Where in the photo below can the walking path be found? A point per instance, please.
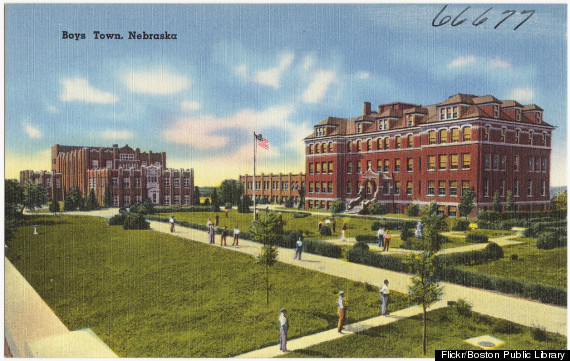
(522, 311)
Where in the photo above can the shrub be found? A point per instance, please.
(170, 209)
(366, 238)
(322, 248)
(539, 334)
(462, 225)
(413, 210)
(338, 206)
(550, 240)
(490, 253)
(289, 239)
(493, 251)
(301, 214)
(412, 244)
(290, 203)
(378, 208)
(462, 307)
(476, 238)
(406, 233)
(117, 220)
(358, 255)
(387, 224)
(325, 231)
(514, 257)
(135, 221)
(361, 246)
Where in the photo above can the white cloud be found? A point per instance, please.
(190, 105)
(499, 63)
(308, 63)
(271, 77)
(158, 81)
(51, 109)
(78, 89)
(523, 95)
(32, 131)
(363, 75)
(318, 88)
(462, 61)
(117, 134)
(191, 131)
(241, 70)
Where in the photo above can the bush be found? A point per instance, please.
(117, 220)
(462, 225)
(366, 238)
(290, 203)
(357, 254)
(412, 243)
(539, 334)
(170, 209)
(322, 248)
(387, 224)
(325, 231)
(514, 257)
(361, 246)
(135, 221)
(301, 214)
(506, 327)
(551, 240)
(462, 307)
(378, 208)
(338, 206)
(413, 210)
(406, 233)
(476, 238)
(490, 253)
(289, 239)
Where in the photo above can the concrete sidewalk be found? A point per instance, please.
(329, 335)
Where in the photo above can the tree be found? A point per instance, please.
(54, 207)
(496, 203)
(196, 196)
(13, 197)
(338, 206)
(231, 191)
(244, 204)
(433, 225)
(302, 196)
(423, 289)
(215, 201)
(107, 197)
(91, 201)
(73, 200)
(560, 202)
(510, 204)
(290, 203)
(267, 230)
(35, 195)
(467, 203)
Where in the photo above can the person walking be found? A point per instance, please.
(236, 236)
(342, 229)
(334, 225)
(211, 233)
(298, 249)
(209, 223)
(384, 293)
(217, 220)
(381, 237)
(321, 224)
(341, 306)
(224, 237)
(171, 221)
(387, 238)
(283, 328)
(226, 212)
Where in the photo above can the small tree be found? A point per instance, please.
(244, 204)
(54, 207)
(13, 197)
(496, 202)
(267, 258)
(73, 200)
(196, 196)
(510, 203)
(338, 206)
(215, 201)
(467, 203)
(107, 197)
(413, 210)
(560, 202)
(35, 195)
(91, 201)
(302, 196)
(290, 203)
(423, 290)
(433, 225)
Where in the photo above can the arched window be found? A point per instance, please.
(398, 142)
(443, 136)
(369, 144)
(379, 143)
(359, 145)
(330, 147)
(311, 149)
(349, 147)
(387, 143)
(410, 141)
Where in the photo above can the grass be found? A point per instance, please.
(147, 294)
(446, 331)
(532, 264)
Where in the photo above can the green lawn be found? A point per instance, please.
(537, 265)
(446, 331)
(148, 294)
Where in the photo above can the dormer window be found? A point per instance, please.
(538, 117)
(449, 113)
(409, 120)
(383, 124)
(518, 115)
(455, 112)
(359, 128)
(442, 114)
(496, 111)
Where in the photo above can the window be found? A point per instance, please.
(496, 111)
(410, 164)
(410, 120)
(311, 187)
(466, 160)
(143, 163)
(409, 188)
(495, 162)
(58, 183)
(453, 188)
(441, 189)
(517, 136)
(397, 165)
(431, 188)
(311, 168)
(137, 182)
(531, 138)
(442, 161)
(115, 201)
(452, 211)
(544, 140)
(465, 185)
(431, 137)
(323, 148)
(94, 164)
(126, 182)
(410, 140)
(398, 142)
(386, 188)
(348, 167)
(529, 188)
(516, 188)
(359, 167)
(386, 165)
(502, 188)
(330, 167)
(330, 187)
(349, 147)
(91, 183)
(323, 187)
(317, 168)
(379, 143)
(486, 132)
(115, 183)
(454, 135)
(167, 200)
(109, 164)
(397, 188)
(518, 115)
(448, 113)
(442, 114)
(359, 145)
(516, 165)
(538, 116)
(186, 182)
(359, 128)
(386, 143)
(503, 162)
(330, 147)
(186, 199)
(455, 112)
(543, 165)
(454, 161)
(485, 187)
(138, 199)
(369, 144)
(285, 186)
(124, 156)
(317, 148)
(443, 136)
(311, 149)
(466, 134)
(325, 168)
(503, 134)
(166, 182)
(530, 164)
(379, 165)
(543, 188)
(431, 162)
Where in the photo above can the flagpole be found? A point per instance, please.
(254, 184)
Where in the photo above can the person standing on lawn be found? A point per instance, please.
(171, 221)
(211, 233)
(283, 328)
(387, 238)
(236, 236)
(384, 293)
(298, 249)
(343, 228)
(341, 306)
(224, 236)
(217, 220)
(334, 225)
(381, 237)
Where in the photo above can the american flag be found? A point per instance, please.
(262, 142)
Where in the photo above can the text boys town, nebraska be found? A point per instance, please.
(133, 35)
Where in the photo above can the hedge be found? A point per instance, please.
(301, 214)
(551, 240)
(182, 209)
(359, 255)
(116, 220)
(366, 238)
(393, 224)
(490, 253)
(521, 216)
(476, 238)
(461, 225)
(135, 221)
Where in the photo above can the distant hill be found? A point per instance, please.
(556, 190)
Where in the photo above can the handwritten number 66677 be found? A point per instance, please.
(480, 19)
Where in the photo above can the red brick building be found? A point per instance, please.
(275, 188)
(51, 181)
(131, 175)
(407, 153)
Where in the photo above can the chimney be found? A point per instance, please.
(366, 108)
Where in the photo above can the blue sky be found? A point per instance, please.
(272, 68)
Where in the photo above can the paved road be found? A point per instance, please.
(522, 311)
